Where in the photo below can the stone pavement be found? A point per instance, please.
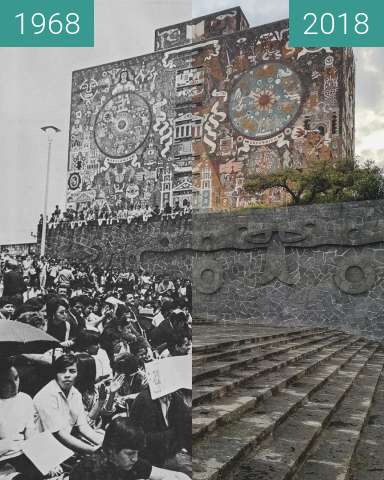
(278, 404)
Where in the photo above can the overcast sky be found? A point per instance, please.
(36, 88)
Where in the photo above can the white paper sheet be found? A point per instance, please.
(45, 452)
(168, 375)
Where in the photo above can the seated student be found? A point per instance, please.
(119, 337)
(7, 308)
(60, 408)
(58, 324)
(16, 422)
(119, 457)
(170, 329)
(167, 426)
(88, 341)
(92, 320)
(134, 378)
(98, 399)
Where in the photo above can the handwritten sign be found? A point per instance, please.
(168, 375)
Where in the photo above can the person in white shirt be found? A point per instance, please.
(88, 342)
(16, 422)
(60, 408)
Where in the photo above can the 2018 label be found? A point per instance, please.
(335, 23)
(327, 23)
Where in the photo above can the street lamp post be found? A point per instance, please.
(50, 130)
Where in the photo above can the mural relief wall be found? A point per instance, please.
(309, 265)
(132, 129)
(201, 28)
(196, 120)
(156, 246)
(318, 265)
(268, 106)
(121, 146)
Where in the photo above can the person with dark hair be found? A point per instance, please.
(76, 312)
(35, 319)
(65, 276)
(89, 341)
(167, 424)
(16, 422)
(13, 280)
(92, 320)
(98, 401)
(60, 408)
(27, 307)
(134, 377)
(166, 287)
(7, 308)
(119, 335)
(170, 329)
(57, 320)
(119, 458)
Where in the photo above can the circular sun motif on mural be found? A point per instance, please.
(265, 100)
(74, 181)
(122, 125)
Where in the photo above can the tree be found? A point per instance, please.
(324, 181)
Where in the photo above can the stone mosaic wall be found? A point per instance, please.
(156, 246)
(319, 265)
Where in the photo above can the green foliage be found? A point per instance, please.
(324, 182)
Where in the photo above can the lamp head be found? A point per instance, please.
(50, 130)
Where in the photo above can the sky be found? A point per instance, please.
(36, 88)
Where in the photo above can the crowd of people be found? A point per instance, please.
(91, 391)
(118, 213)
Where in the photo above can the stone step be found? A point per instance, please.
(213, 348)
(200, 360)
(207, 417)
(208, 390)
(217, 368)
(331, 454)
(216, 343)
(218, 452)
(368, 460)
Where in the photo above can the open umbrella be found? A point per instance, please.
(17, 338)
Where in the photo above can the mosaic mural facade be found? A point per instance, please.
(268, 106)
(201, 28)
(216, 103)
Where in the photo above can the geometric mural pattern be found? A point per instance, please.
(215, 103)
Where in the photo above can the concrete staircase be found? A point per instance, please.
(278, 404)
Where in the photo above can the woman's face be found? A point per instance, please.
(127, 333)
(67, 378)
(125, 458)
(10, 385)
(61, 314)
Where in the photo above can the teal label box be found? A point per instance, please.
(336, 23)
(47, 23)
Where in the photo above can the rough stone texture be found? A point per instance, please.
(301, 407)
(319, 265)
(156, 246)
